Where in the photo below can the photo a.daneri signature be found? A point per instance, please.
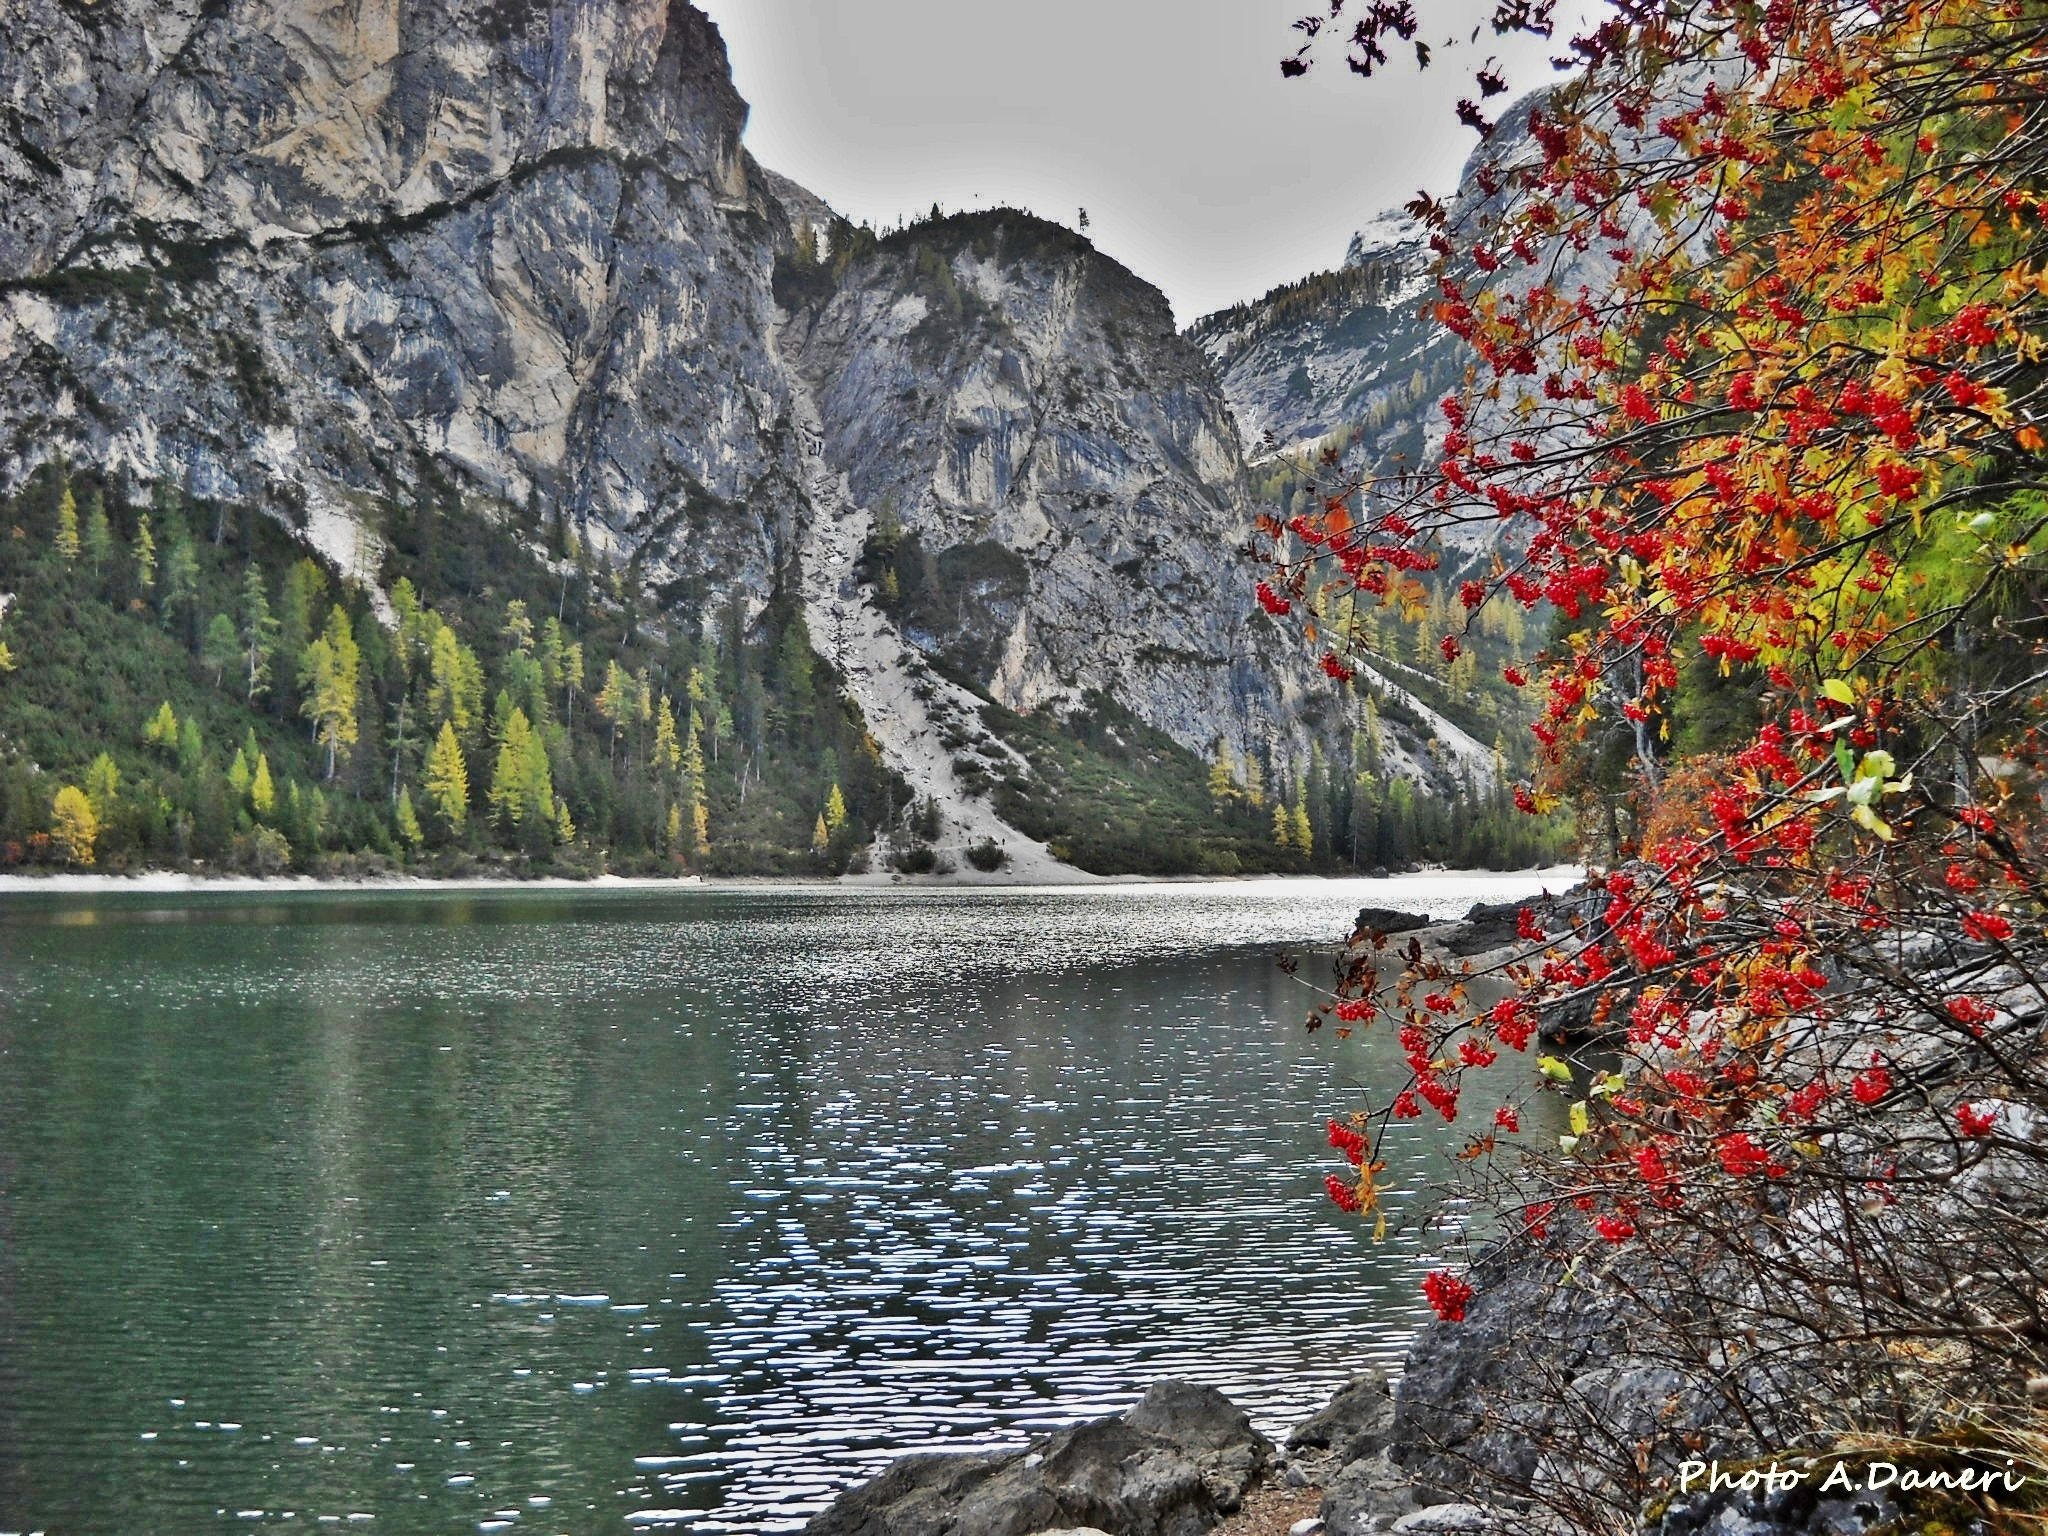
(1844, 1475)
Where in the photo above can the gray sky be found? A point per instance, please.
(1200, 168)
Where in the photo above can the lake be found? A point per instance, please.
(583, 1211)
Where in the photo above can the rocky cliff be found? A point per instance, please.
(1019, 410)
(346, 259)
(1338, 357)
(328, 258)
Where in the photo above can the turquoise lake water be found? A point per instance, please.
(592, 1211)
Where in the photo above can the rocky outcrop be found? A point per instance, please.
(1174, 1465)
(325, 259)
(1021, 408)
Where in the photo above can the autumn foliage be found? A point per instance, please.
(1757, 315)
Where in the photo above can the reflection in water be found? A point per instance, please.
(570, 1211)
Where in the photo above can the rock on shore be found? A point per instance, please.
(1175, 1465)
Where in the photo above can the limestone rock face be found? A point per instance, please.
(1023, 406)
(318, 254)
(335, 257)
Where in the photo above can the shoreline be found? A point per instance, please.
(174, 882)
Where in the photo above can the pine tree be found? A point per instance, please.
(835, 811)
(1223, 777)
(262, 790)
(446, 784)
(668, 755)
(409, 821)
(145, 553)
(1298, 823)
(1254, 782)
(1283, 827)
(522, 787)
(221, 646)
(518, 627)
(162, 729)
(258, 636)
(328, 676)
(99, 533)
(239, 774)
(821, 838)
(455, 689)
(67, 545)
(191, 746)
(565, 829)
(614, 700)
(75, 826)
(103, 787)
(672, 835)
(297, 613)
(700, 820)
(181, 577)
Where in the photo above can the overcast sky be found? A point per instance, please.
(1200, 168)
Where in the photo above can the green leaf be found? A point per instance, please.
(1838, 690)
(1581, 1119)
(1557, 1071)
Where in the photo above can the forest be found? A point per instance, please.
(188, 687)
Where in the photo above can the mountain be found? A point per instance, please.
(1338, 352)
(487, 297)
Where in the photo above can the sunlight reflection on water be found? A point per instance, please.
(672, 1209)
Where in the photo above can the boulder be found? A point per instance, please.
(1367, 1496)
(1459, 1520)
(1358, 1421)
(1390, 920)
(1175, 1465)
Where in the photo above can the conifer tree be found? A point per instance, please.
(455, 690)
(67, 544)
(668, 754)
(298, 612)
(1304, 837)
(191, 746)
(162, 729)
(446, 784)
(75, 826)
(262, 790)
(181, 577)
(614, 700)
(408, 821)
(1283, 827)
(258, 635)
(99, 533)
(565, 829)
(145, 553)
(672, 834)
(328, 676)
(221, 646)
(835, 811)
(103, 787)
(700, 819)
(1223, 776)
(1254, 782)
(522, 787)
(821, 838)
